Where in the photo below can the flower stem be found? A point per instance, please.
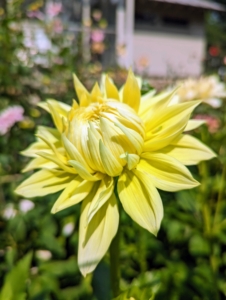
(114, 261)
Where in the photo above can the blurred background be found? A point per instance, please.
(165, 41)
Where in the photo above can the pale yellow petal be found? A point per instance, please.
(43, 182)
(141, 200)
(96, 93)
(111, 89)
(95, 239)
(193, 124)
(167, 125)
(80, 91)
(76, 190)
(83, 172)
(134, 137)
(73, 153)
(189, 150)
(167, 173)
(38, 163)
(111, 165)
(150, 104)
(131, 92)
(103, 193)
(131, 159)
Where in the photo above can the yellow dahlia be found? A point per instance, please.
(113, 140)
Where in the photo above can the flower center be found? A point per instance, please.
(109, 127)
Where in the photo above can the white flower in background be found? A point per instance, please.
(68, 229)
(209, 89)
(25, 205)
(43, 254)
(9, 212)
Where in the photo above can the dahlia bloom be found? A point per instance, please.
(208, 89)
(113, 141)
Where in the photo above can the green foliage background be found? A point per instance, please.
(188, 258)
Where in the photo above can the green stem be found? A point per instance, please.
(114, 261)
(220, 195)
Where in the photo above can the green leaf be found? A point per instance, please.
(136, 293)
(14, 287)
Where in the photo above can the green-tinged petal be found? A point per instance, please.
(103, 193)
(111, 165)
(38, 163)
(188, 150)
(167, 125)
(62, 164)
(193, 124)
(75, 192)
(167, 173)
(134, 137)
(131, 92)
(51, 134)
(80, 91)
(95, 239)
(131, 159)
(83, 172)
(44, 182)
(141, 200)
(111, 89)
(93, 148)
(73, 153)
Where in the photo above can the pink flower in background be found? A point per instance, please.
(53, 9)
(212, 123)
(9, 117)
(97, 36)
(58, 26)
(35, 14)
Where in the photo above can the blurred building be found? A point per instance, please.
(160, 38)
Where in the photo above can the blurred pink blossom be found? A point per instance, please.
(35, 14)
(53, 9)
(212, 122)
(97, 36)
(9, 117)
(58, 26)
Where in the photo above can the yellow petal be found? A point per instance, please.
(188, 150)
(193, 124)
(43, 182)
(103, 193)
(141, 200)
(131, 92)
(111, 90)
(132, 160)
(167, 125)
(111, 165)
(151, 104)
(57, 161)
(134, 137)
(83, 172)
(96, 93)
(73, 153)
(80, 91)
(95, 239)
(75, 192)
(167, 173)
(38, 163)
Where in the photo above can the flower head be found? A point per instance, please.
(113, 140)
(208, 89)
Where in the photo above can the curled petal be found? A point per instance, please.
(131, 92)
(141, 200)
(188, 150)
(95, 239)
(167, 173)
